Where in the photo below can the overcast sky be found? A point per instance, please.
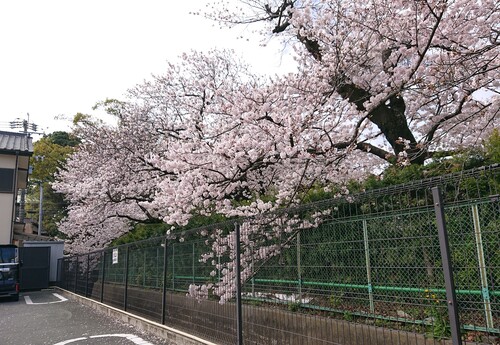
(60, 57)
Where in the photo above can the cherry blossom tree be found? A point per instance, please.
(377, 83)
(411, 71)
(105, 181)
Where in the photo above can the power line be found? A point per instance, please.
(25, 125)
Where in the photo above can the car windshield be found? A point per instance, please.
(7, 255)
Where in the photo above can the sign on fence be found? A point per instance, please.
(115, 256)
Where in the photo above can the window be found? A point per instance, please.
(6, 180)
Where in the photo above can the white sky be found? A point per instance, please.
(60, 57)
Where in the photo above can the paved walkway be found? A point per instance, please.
(48, 318)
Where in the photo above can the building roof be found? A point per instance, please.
(12, 143)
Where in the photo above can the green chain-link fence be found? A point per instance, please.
(367, 260)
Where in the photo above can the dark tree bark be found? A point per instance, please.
(389, 117)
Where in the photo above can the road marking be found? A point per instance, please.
(133, 338)
(71, 341)
(61, 299)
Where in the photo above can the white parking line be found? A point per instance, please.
(61, 299)
(71, 341)
(133, 338)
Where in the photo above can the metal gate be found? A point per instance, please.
(35, 267)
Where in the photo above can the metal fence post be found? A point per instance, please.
(144, 269)
(368, 266)
(239, 317)
(218, 270)
(164, 292)
(61, 276)
(173, 266)
(299, 268)
(447, 267)
(76, 274)
(125, 293)
(156, 266)
(193, 268)
(59, 269)
(87, 276)
(61, 273)
(482, 268)
(103, 274)
(65, 272)
(68, 274)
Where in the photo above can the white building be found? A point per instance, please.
(15, 151)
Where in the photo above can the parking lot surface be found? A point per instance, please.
(47, 318)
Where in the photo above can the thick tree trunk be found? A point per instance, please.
(390, 119)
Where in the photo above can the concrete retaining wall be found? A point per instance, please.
(262, 325)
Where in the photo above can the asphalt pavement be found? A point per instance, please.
(48, 318)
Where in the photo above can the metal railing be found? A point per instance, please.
(370, 268)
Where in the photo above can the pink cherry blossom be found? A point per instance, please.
(376, 83)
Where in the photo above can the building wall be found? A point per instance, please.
(56, 253)
(7, 202)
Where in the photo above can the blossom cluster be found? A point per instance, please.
(376, 83)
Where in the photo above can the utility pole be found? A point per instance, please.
(27, 128)
(40, 210)
(40, 205)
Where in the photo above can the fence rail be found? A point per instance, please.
(368, 269)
